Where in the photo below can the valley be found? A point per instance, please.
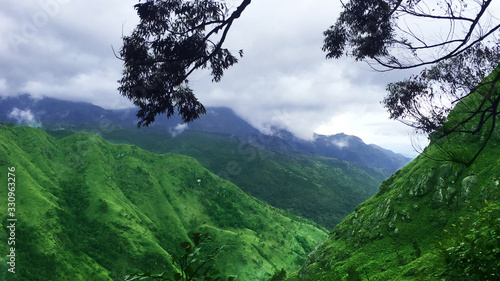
(91, 210)
(313, 179)
(101, 201)
(213, 140)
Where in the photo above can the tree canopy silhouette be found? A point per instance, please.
(390, 32)
(175, 38)
(388, 35)
(172, 40)
(423, 101)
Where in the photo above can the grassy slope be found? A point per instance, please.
(396, 234)
(322, 189)
(90, 210)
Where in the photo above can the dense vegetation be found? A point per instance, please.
(322, 189)
(90, 210)
(435, 219)
(284, 171)
(93, 210)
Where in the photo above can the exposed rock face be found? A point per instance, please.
(468, 184)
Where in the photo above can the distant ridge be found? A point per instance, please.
(52, 113)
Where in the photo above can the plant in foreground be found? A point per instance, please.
(472, 248)
(192, 264)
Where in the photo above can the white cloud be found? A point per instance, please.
(68, 54)
(24, 117)
(3, 86)
(179, 129)
(97, 87)
(283, 79)
(343, 143)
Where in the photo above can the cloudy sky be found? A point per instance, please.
(63, 49)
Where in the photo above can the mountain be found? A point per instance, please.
(305, 178)
(322, 189)
(352, 148)
(50, 112)
(349, 148)
(53, 113)
(86, 209)
(435, 219)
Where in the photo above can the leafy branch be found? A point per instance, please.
(172, 40)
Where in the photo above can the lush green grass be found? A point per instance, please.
(91, 210)
(435, 218)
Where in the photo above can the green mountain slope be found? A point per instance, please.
(435, 219)
(281, 169)
(322, 189)
(90, 210)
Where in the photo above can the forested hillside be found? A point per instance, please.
(435, 219)
(322, 189)
(90, 210)
(318, 179)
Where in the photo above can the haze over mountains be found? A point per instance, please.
(51, 113)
